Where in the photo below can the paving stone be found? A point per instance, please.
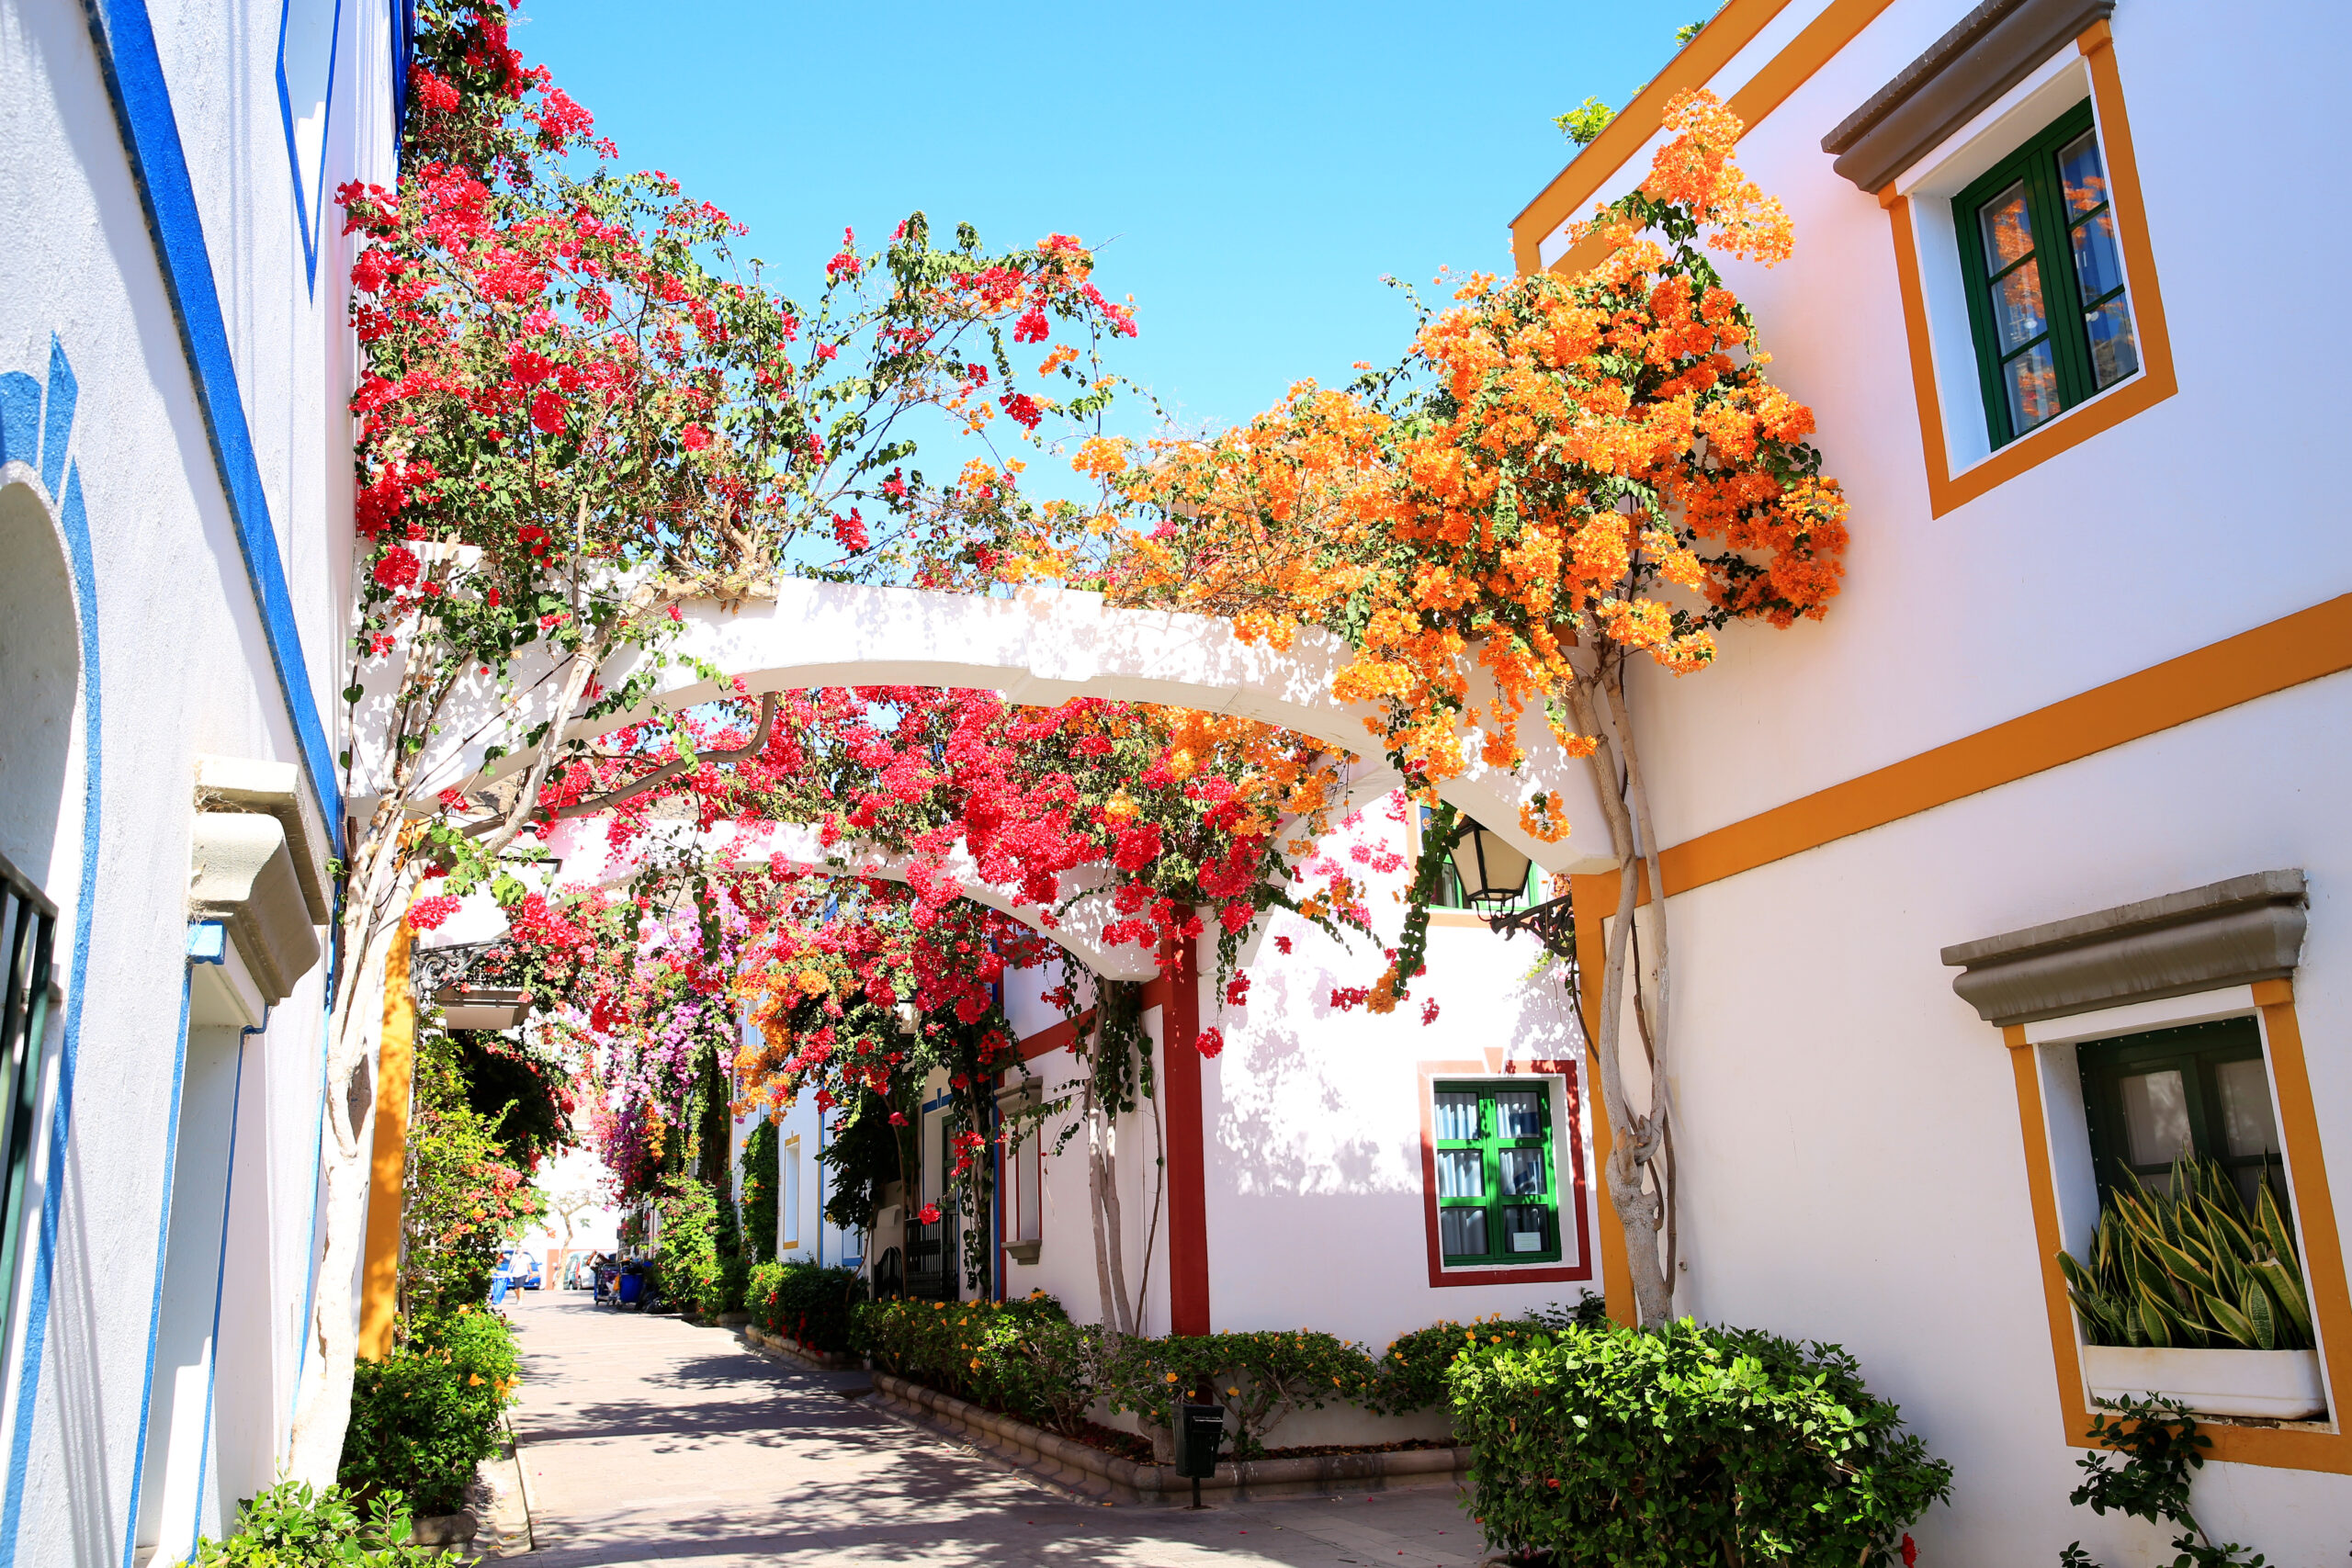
(650, 1440)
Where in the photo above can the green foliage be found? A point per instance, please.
(1413, 1369)
(1258, 1378)
(523, 1098)
(1022, 1357)
(424, 1418)
(2162, 1449)
(763, 1187)
(465, 1197)
(685, 1256)
(290, 1527)
(805, 1303)
(1584, 123)
(2190, 1268)
(865, 1154)
(1606, 1445)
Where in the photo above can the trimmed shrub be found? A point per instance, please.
(425, 1417)
(1610, 1445)
(290, 1527)
(1022, 1357)
(1258, 1378)
(805, 1303)
(1412, 1370)
(686, 1255)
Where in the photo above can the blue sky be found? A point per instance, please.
(1251, 169)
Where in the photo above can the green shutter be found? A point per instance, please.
(1498, 1177)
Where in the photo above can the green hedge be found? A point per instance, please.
(288, 1526)
(805, 1303)
(425, 1417)
(1692, 1444)
(1022, 1357)
(685, 1253)
(1258, 1378)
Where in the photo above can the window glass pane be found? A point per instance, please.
(2017, 308)
(1520, 1172)
(2031, 382)
(1519, 1115)
(2079, 172)
(1458, 1174)
(2113, 353)
(2156, 1117)
(2246, 1126)
(1463, 1232)
(1457, 1116)
(2008, 232)
(2097, 265)
(1523, 1229)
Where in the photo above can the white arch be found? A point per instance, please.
(1040, 645)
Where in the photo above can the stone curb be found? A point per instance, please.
(1089, 1470)
(789, 1349)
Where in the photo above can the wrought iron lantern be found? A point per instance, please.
(1492, 871)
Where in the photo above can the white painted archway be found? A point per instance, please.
(1040, 645)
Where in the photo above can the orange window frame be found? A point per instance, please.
(2279, 1447)
(1947, 491)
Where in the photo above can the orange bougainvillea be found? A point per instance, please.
(1565, 475)
(1562, 470)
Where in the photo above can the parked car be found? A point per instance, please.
(522, 1270)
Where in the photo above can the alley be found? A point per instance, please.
(650, 1440)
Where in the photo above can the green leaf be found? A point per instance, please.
(2255, 1302)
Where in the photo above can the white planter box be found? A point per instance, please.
(2277, 1385)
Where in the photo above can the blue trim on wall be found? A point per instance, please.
(220, 1278)
(74, 523)
(20, 421)
(207, 944)
(57, 426)
(309, 205)
(142, 103)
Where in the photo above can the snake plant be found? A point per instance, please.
(2190, 1268)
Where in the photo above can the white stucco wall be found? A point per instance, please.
(186, 669)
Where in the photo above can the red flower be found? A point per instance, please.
(850, 531)
(1023, 408)
(398, 569)
(927, 1215)
(547, 412)
(1429, 1012)
(1210, 1043)
(367, 272)
(1032, 327)
(694, 437)
(1910, 1552)
(1281, 945)
(426, 914)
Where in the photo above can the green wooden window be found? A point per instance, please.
(2200, 1091)
(2045, 278)
(1497, 1195)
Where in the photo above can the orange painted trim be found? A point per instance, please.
(1591, 898)
(1732, 30)
(1579, 1193)
(380, 1275)
(2278, 1447)
(2271, 658)
(1947, 491)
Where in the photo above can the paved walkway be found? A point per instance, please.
(648, 1440)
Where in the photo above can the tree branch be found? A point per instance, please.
(673, 769)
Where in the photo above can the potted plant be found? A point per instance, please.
(2187, 1296)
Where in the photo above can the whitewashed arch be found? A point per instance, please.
(1040, 645)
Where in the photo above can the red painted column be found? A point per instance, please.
(1188, 1231)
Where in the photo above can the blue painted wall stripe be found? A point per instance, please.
(134, 73)
(57, 427)
(75, 524)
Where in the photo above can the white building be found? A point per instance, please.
(174, 540)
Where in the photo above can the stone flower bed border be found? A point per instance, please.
(784, 1348)
(1089, 1470)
